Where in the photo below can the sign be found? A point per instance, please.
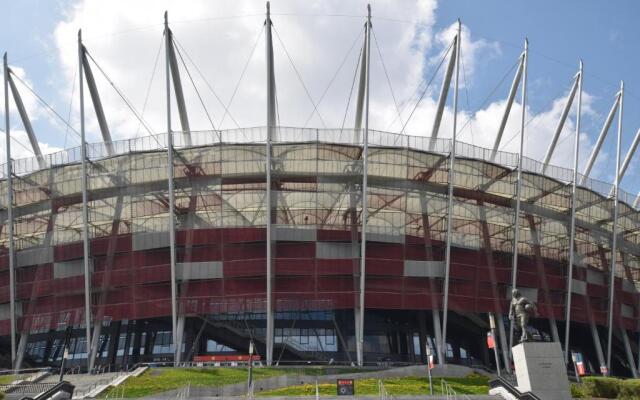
(346, 387)
(432, 363)
(491, 343)
(577, 360)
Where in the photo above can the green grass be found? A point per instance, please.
(156, 380)
(5, 380)
(472, 384)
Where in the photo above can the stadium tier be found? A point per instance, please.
(333, 246)
(316, 221)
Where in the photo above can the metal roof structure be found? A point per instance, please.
(85, 230)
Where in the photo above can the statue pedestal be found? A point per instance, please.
(540, 369)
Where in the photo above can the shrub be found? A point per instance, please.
(629, 389)
(607, 388)
(577, 391)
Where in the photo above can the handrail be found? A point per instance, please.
(26, 388)
(63, 386)
(502, 382)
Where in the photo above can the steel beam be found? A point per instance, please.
(177, 88)
(172, 217)
(106, 279)
(629, 353)
(488, 250)
(106, 138)
(572, 229)
(444, 91)
(507, 110)
(614, 229)
(516, 233)
(437, 329)
(428, 247)
(271, 134)
(630, 153)
(542, 274)
(95, 98)
(628, 157)
(563, 118)
(85, 201)
(362, 82)
(40, 275)
(601, 137)
(452, 161)
(596, 340)
(26, 122)
(9, 220)
(365, 204)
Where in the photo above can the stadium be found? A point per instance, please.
(334, 246)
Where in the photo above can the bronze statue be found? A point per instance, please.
(521, 308)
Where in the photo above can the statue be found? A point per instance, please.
(521, 308)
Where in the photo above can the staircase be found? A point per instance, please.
(88, 386)
(234, 334)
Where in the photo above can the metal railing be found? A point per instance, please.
(101, 382)
(116, 393)
(184, 392)
(350, 137)
(382, 391)
(27, 388)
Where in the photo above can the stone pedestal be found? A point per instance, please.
(540, 369)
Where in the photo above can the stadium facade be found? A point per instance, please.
(320, 245)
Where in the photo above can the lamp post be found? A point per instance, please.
(250, 378)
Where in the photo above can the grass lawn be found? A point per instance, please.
(7, 379)
(473, 384)
(156, 380)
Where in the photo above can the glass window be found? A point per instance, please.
(449, 350)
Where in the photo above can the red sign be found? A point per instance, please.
(225, 358)
(345, 387)
(580, 368)
(491, 343)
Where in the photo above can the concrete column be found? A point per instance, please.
(440, 347)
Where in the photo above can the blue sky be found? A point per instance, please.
(604, 34)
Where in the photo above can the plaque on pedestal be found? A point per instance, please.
(540, 369)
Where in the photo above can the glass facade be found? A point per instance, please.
(316, 224)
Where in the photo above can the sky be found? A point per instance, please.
(316, 48)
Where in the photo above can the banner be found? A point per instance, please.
(577, 360)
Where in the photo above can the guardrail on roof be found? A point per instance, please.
(282, 135)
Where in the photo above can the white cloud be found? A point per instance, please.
(20, 145)
(221, 46)
(125, 37)
(473, 51)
